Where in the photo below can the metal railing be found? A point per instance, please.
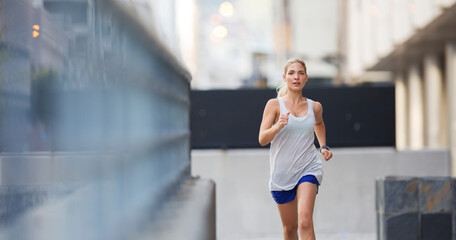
(94, 121)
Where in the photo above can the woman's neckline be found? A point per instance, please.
(296, 117)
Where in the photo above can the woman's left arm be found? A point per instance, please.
(320, 130)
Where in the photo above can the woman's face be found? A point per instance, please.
(295, 77)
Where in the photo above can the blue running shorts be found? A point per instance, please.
(282, 197)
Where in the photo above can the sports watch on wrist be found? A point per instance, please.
(325, 147)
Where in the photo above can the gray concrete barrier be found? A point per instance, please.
(189, 214)
(55, 212)
(17, 200)
(94, 121)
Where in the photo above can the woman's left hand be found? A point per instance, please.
(327, 154)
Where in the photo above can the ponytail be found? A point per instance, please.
(282, 90)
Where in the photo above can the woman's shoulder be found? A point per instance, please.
(273, 103)
(317, 106)
(276, 99)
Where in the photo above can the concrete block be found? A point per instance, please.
(454, 207)
(436, 226)
(381, 230)
(397, 208)
(416, 208)
(380, 195)
(400, 195)
(435, 195)
(403, 227)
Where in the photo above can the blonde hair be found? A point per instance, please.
(282, 90)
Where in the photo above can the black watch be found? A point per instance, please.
(325, 147)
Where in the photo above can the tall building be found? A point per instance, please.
(413, 44)
(240, 44)
(31, 45)
(230, 37)
(314, 37)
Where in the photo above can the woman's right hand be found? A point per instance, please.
(283, 120)
(269, 127)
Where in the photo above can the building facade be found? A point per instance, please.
(245, 43)
(413, 44)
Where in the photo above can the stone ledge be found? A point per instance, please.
(190, 214)
(416, 208)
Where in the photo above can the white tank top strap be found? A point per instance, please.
(310, 109)
(283, 109)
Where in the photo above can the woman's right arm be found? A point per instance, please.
(267, 130)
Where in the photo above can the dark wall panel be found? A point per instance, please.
(354, 116)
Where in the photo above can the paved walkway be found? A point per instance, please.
(321, 236)
(345, 206)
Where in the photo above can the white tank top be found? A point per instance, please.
(292, 152)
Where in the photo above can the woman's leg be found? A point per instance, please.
(305, 197)
(289, 215)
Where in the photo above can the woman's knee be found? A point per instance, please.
(305, 223)
(290, 229)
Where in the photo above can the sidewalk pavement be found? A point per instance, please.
(319, 236)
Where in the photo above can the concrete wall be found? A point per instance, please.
(186, 211)
(345, 205)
